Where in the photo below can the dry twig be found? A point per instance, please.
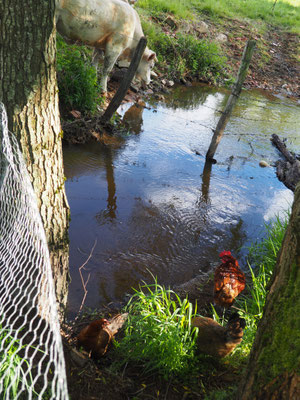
(84, 283)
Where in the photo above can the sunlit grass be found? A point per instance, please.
(159, 335)
(181, 9)
(285, 13)
(14, 370)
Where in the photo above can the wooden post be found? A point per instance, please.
(236, 90)
(124, 86)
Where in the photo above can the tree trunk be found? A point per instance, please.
(29, 92)
(273, 370)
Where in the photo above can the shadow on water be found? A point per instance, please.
(152, 203)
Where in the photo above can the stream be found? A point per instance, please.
(146, 203)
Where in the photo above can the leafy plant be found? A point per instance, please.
(159, 335)
(77, 78)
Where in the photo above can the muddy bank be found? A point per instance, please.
(275, 65)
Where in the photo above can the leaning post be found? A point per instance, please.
(124, 86)
(235, 92)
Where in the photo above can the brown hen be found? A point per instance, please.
(96, 337)
(229, 280)
(216, 340)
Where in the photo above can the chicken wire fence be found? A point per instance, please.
(32, 364)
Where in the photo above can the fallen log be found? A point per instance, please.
(288, 172)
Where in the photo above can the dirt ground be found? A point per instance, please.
(275, 65)
(274, 68)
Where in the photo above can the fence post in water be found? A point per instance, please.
(235, 92)
(124, 86)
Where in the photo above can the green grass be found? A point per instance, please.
(77, 78)
(158, 335)
(181, 9)
(184, 54)
(286, 13)
(13, 366)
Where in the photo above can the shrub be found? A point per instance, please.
(77, 78)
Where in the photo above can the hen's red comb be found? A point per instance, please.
(224, 253)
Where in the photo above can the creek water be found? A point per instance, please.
(147, 201)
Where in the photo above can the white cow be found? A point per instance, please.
(112, 26)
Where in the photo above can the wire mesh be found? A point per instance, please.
(32, 364)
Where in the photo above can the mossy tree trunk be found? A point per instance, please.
(29, 92)
(273, 371)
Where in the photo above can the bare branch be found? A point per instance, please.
(84, 283)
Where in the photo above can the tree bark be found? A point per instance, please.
(273, 370)
(29, 92)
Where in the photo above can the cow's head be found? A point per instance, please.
(146, 64)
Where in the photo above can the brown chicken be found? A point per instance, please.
(229, 280)
(96, 337)
(216, 340)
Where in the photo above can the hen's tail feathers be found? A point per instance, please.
(234, 328)
(117, 322)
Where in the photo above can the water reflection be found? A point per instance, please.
(187, 98)
(152, 202)
(133, 117)
(206, 181)
(111, 186)
(281, 202)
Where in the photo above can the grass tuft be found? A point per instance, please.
(159, 335)
(14, 370)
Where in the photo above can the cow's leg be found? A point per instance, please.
(111, 56)
(98, 55)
